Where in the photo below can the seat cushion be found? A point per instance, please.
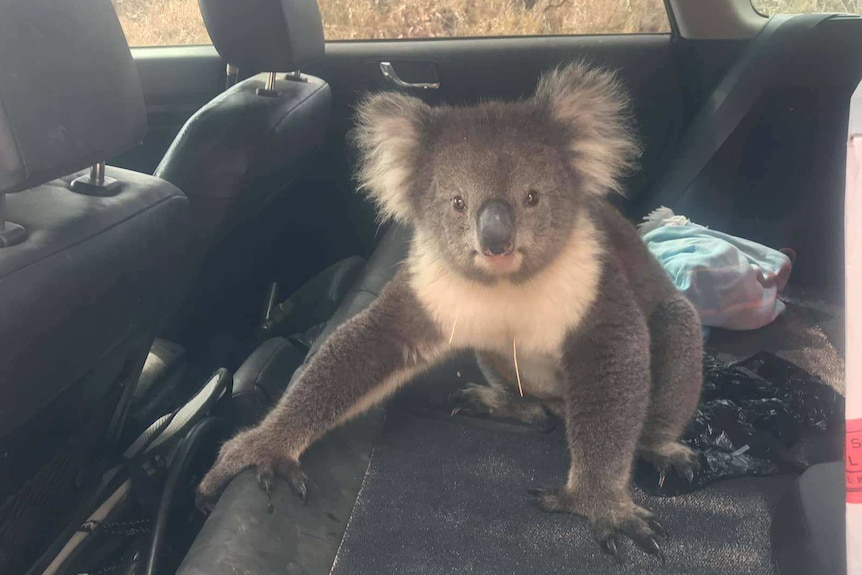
(808, 530)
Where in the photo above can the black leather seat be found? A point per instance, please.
(241, 535)
(242, 152)
(88, 269)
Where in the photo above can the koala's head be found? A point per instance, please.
(495, 189)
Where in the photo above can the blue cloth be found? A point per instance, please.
(734, 283)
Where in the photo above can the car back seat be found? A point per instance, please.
(241, 534)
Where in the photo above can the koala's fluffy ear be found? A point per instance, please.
(592, 104)
(388, 138)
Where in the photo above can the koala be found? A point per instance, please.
(517, 255)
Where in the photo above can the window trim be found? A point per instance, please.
(717, 19)
(484, 38)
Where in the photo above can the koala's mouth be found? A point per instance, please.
(504, 263)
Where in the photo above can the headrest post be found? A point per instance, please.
(231, 76)
(10, 234)
(97, 174)
(268, 90)
(96, 184)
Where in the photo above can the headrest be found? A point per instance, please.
(69, 91)
(265, 35)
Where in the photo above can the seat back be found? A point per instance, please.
(89, 265)
(243, 151)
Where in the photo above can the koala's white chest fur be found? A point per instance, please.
(536, 314)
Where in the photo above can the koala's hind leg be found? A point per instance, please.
(677, 375)
(500, 397)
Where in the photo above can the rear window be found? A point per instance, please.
(770, 7)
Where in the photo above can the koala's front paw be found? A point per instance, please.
(608, 518)
(249, 450)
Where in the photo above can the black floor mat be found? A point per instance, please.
(450, 496)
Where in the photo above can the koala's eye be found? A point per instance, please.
(532, 198)
(458, 204)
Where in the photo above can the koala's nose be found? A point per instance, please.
(496, 228)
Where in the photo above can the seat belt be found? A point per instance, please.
(727, 105)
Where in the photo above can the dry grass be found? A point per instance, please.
(362, 19)
(162, 22)
(802, 6)
(178, 22)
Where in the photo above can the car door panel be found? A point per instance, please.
(469, 70)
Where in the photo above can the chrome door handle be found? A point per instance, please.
(388, 72)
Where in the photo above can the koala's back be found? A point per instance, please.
(628, 255)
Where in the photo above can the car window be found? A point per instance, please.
(770, 7)
(179, 22)
(162, 22)
(391, 19)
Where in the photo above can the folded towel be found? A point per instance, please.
(734, 283)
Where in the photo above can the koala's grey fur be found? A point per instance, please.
(602, 336)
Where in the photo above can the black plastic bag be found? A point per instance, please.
(761, 416)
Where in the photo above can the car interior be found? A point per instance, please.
(194, 212)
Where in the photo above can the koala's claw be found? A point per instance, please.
(609, 522)
(657, 527)
(644, 535)
(288, 469)
(467, 401)
(672, 458)
(298, 485)
(203, 503)
(688, 472)
(609, 546)
(649, 545)
(265, 482)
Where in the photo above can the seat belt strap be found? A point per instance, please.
(728, 104)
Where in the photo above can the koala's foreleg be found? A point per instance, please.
(607, 369)
(358, 366)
